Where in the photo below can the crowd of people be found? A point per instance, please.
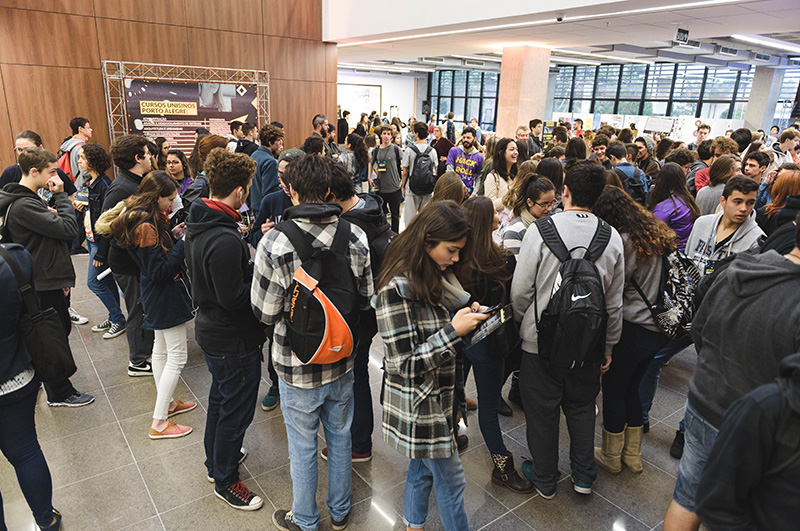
(550, 261)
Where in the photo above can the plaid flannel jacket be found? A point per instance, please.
(275, 263)
(419, 377)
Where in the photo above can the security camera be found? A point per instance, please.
(559, 17)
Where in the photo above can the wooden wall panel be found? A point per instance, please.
(302, 20)
(122, 40)
(231, 15)
(33, 104)
(295, 59)
(6, 134)
(294, 103)
(74, 7)
(331, 63)
(225, 49)
(158, 11)
(28, 37)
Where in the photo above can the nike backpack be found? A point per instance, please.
(323, 312)
(423, 173)
(572, 329)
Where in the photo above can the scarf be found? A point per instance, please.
(454, 297)
(527, 217)
(222, 207)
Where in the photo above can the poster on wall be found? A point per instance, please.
(175, 109)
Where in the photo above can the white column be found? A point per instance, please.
(763, 98)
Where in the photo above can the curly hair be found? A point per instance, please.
(649, 236)
(143, 208)
(227, 171)
(96, 157)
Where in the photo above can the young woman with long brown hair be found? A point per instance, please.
(723, 169)
(423, 312)
(142, 229)
(485, 272)
(645, 240)
(504, 169)
(671, 202)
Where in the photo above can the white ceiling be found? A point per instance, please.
(710, 23)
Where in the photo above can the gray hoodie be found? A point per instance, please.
(45, 235)
(748, 322)
(702, 247)
(70, 145)
(537, 268)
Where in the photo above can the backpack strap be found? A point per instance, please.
(297, 237)
(415, 149)
(552, 238)
(341, 240)
(24, 287)
(599, 241)
(621, 175)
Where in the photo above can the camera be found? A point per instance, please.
(559, 17)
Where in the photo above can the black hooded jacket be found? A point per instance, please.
(221, 273)
(750, 480)
(371, 219)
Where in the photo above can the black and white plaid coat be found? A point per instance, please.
(420, 373)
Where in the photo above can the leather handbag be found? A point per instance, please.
(43, 332)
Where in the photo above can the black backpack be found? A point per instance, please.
(423, 174)
(324, 313)
(633, 185)
(572, 329)
(379, 237)
(674, 309)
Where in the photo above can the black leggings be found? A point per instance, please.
(391, 203)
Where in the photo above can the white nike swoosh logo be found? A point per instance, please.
(575, 298)
(336, 349)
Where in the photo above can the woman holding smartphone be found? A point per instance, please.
(423, 313)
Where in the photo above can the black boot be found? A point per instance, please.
(462, 441)
(513, 393)
(504, 408)
(505, 474)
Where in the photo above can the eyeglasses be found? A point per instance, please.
(551, 204)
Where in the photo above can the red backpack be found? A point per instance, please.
(64, 163)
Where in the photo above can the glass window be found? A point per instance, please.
(488, 112)
(434, 81)
(659, 82)
(564, 82)
(714, 110)
(683, 108)
(581, 106)
(791, 80)
(628, 107)
(562, 105)
(434, 105)
(584, 82)
(745, 84)
(446, 83)
(632, 82)
(688, 82)
(604, 106)
(444, 107)
(474, 109)
(607, 81)
(655, 108)
(474, 87)
(460, 83)
(458, 109)
(738, 110)
(490, 82)
(720, 84)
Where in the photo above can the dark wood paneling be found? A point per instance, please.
(232, 15)
(296, 59)
(29, 37)
(34, 104)
(159, 11)
(301, 18)
(294, 103)
(122, 40)
(225, 49)
(6, 135)
(74, 7)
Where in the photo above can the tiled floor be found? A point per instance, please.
(108, 475)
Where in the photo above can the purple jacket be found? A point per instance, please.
(467, 166)
(676, 214)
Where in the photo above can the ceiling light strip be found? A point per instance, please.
(768, 42)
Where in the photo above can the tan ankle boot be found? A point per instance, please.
(632, 450)
(608, 457)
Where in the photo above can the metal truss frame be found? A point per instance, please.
(116, 72)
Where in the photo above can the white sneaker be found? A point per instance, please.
(76, 318)
(115, 330)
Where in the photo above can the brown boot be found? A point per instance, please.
(608, 457)
(632, 450)
(505, 474)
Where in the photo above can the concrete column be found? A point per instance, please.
(551, 96)
(523, 87)
(763, 98)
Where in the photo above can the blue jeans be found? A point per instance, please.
(19, 444)
(700, 439)
(106, 289)
(231, 404)
(303, 410)
(489, 377)
(446, 475)
(649, 384)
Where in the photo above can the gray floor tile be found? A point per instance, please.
(138, 396)
(57, 422)
(644, 495)
(212, 514)
(266, 445)
(136, 429)
(478, 468)
(507, 522)
(669, 402)
(151, 524)
(656, 444)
